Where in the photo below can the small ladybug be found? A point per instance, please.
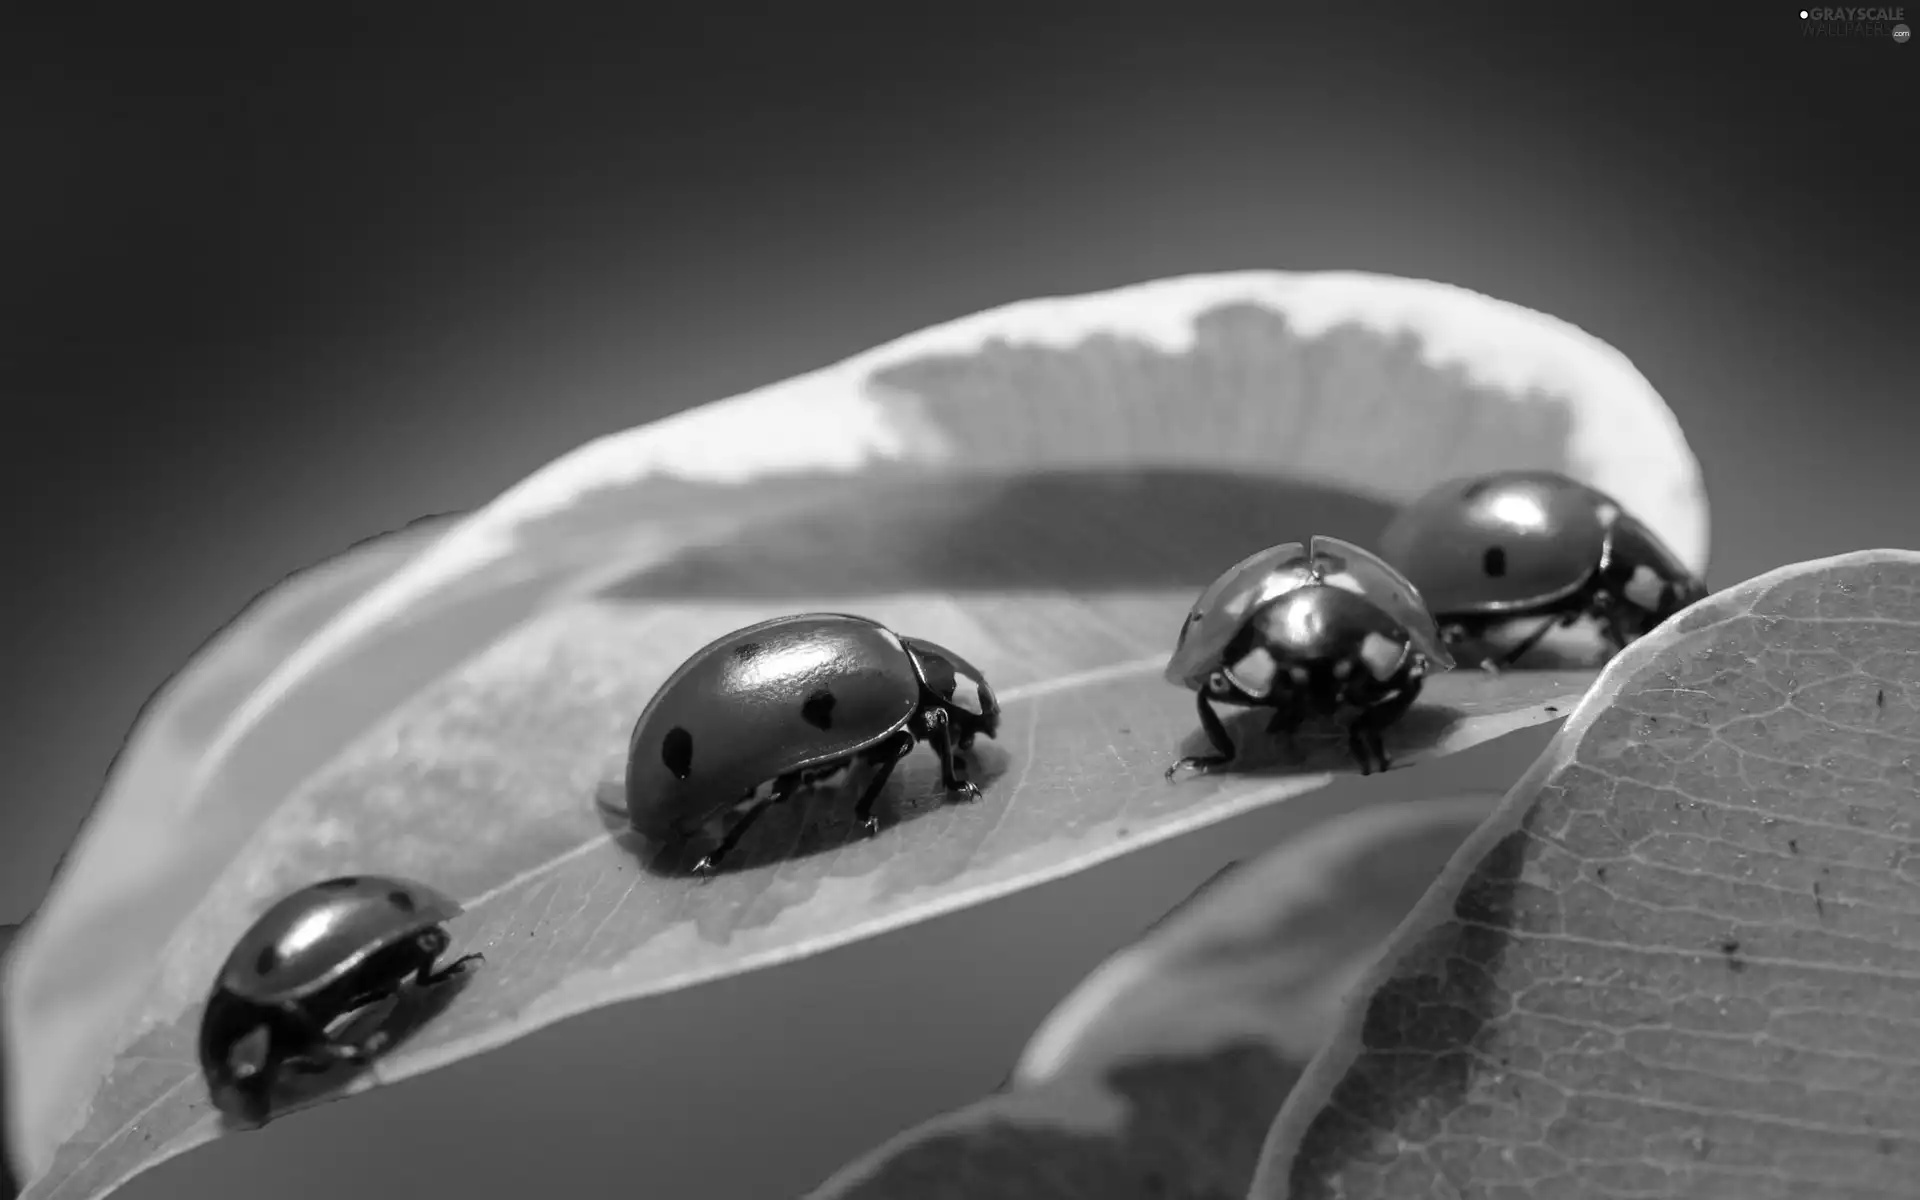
(319, 956)
(795, 703)
(1307, 630)
(1512, 545)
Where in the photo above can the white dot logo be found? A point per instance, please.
(1803, 14)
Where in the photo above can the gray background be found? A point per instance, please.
(267, 295)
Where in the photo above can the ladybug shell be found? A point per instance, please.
(780, 696)
(314, 936)
(1224, 608)
(1506, 542)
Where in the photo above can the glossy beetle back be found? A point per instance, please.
(1317, 624)
(1345, 565)
(775, 697)
(314, 936)
(1222, 608)
(1511, 541)
(1254, 582)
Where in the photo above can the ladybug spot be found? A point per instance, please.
(268, 959)
(343, 883)
(676, 752)
(748, 651)
(1494, 562)
(401, 901)
(818, 710)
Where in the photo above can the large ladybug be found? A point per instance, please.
(1504, 547)
(799, 702)
(320, 955)
(1307, 630)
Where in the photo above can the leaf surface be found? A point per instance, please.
(137, 827)
(1680, 961)
(1159, 1075)
(9, 1182)
(1044, 488)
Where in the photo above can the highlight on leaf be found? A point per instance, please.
(1160, 1074)
(1043, 488)
(1678, 960)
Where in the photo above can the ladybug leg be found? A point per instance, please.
(1531, 640)
(1285, 725)
(888, 760)
(1216, 735)
(783, 787)
(327, 1054)
(1614, 626)
(1364, 739)
(427, 977)
(939, 729)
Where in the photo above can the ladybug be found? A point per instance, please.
(1307, 630)
(319, 956)
(795, 703)
(1512, 545)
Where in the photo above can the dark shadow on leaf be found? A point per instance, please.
(1089, 530)
(1318, 746)
(401, 1018)
(815, 823)
(1251, 392)
(1423, 1027)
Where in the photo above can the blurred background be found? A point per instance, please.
(265, 293)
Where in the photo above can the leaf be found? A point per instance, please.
(1044, 487)
(9, 1182)
(1680, 960)
(1260, 950)
(121, 842)
(182, 718)
(1159, 1075)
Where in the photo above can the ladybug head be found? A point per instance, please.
(248, 1055)
(956, 685)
